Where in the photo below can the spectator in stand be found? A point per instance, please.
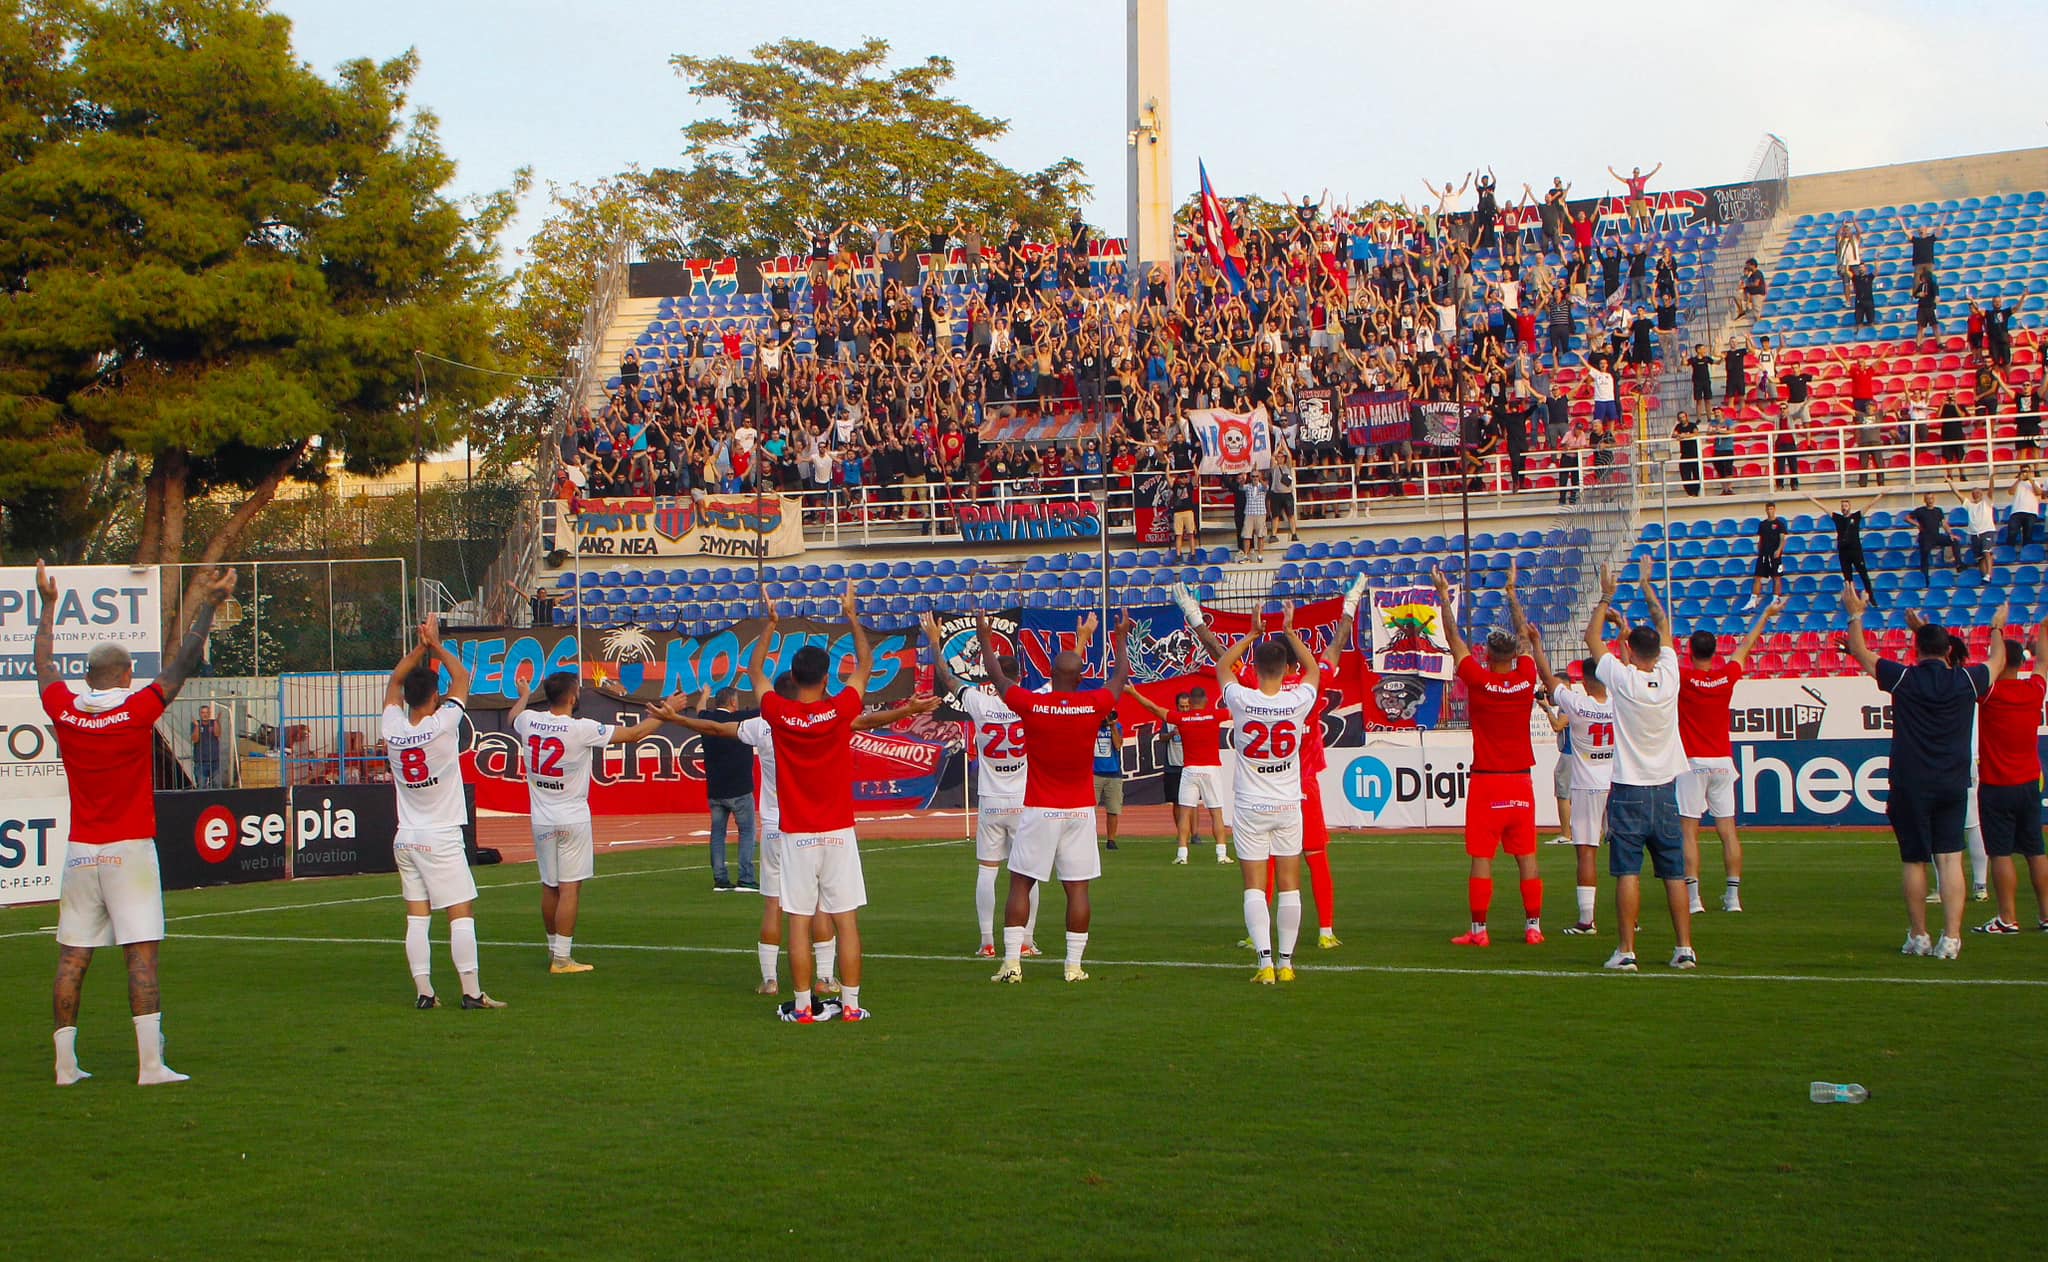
(1998, 332)
(1723, 431)
(1981, 524)
(1925, 239)
(1798, 386)
(1784, 456)
(1770, 557)
(1749, 298)
(1952, 444)
(1281, 495)
(1735, 370)
(206, 747)
(1848, 255)
(1863, 301)
(1927, 305)
(1848, 524)
(1185, 501)
(1702, 365)
(1640, 215)
(2024, 512)
(1933, 534)
(1686, 432)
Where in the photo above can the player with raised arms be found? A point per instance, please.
(1268, 734)
(998, 736)
(1500, 808)
(1056, 836)
(422, 728)
(559, 749)
(755, 732)
(113, 892)
(1589, 716)
(1705, 689)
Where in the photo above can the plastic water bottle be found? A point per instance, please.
(1839, 1093)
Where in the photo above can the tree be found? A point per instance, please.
(210, 256)
(814, 135)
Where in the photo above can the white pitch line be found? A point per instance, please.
(498, 885)
(1423, 970)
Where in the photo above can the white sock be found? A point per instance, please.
(985, 902)
(1222, 851)
(827, 956)
(67, 1056)
(555, 950)
(1979, 863)
(1031, 917)
(802, 1002)
(418, 954)
(1589, 896)
(462, 946)
(849, 997)
(1288, 913)
(1013, 943)
(1077, 945)
(1182, 853)
(149, 1052)
(767, 951)
(563, 945)
(1258, 925)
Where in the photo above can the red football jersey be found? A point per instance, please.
(813, 760)
(1500, 705)
(1201, 736)
(2009, 723)
(1059, 744)
(106, 757)
(1703, 697)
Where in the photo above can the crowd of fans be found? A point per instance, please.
(903, 400)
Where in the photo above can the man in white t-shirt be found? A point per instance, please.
(998, 738)
(1589, 717)
(1642, 804)
(558, 749)
(422, 728)
(1269, 727)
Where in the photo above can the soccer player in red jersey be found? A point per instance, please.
(2009, 781)
(113, 890)
(1201, 778)
(1705, 687)
(1500, 807)
(1057, 835)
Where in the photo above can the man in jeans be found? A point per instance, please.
(729, 785)
(1642, 805)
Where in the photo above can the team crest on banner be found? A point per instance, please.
(1317, 417)
(672, 518)
(1408, 631)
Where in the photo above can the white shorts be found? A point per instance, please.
(995, 830)
(564, 852)
(1707, 787)
(1265, 832)
(1056, 842)
(1201, 786)
(1589, 816)
(821, 872)
(113, 895)
(771, 857)
(432, 868)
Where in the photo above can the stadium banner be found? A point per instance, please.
(96, 604)
(1233, 442)
(1408, 631)
(343, 829)
(1377, 418)
(1416, 784)
(751, 274)
(746, 526)
(646, 665)
(960, 646)
(1314, 417)
(1440, 425)
(222, 836)
(1028, 520)
(35, 803)
(1152, 507)
(1836, 708)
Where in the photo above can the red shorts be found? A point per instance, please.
(1315, 832)
(1500, 814)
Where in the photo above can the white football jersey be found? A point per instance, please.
(559, 750)
(1267, 735)
(998, 746)
(756, 732)
(426, 765)
(1592, 729)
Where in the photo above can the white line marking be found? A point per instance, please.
(498, 885)
(1425, 970)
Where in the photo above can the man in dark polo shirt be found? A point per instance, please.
(1770, 558)
(729, 786)
(1933, 708)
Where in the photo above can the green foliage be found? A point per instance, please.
(209, 254)
(813, 135)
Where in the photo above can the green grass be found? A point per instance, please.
(1402, 1099)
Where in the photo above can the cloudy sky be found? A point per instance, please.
(1363, 97)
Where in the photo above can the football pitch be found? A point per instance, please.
(1403, 1098)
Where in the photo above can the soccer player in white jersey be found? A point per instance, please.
(1269, 728)
(559, 749)
(1589, 717)
(422, 738)
(998, 736)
